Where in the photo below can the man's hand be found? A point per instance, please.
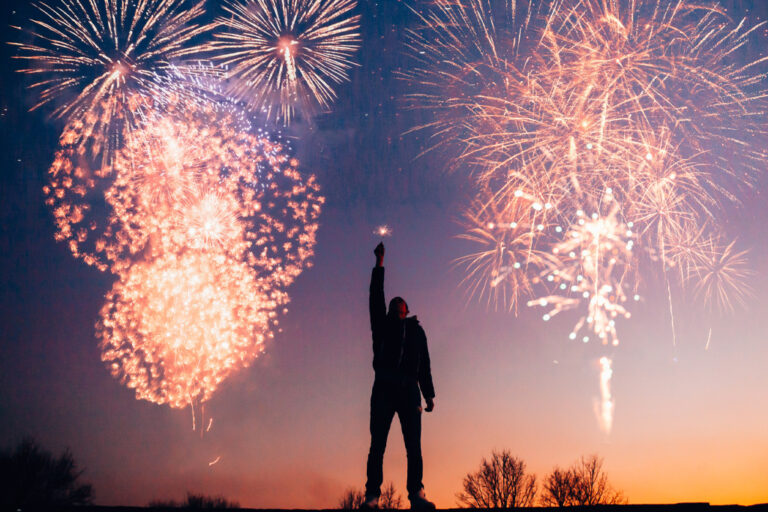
(379, 252)
(430, 404)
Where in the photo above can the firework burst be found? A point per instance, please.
(722, 275)
(592, 264)
(286, 55)
(570, 99)
(504, 269)
(174, 328)
(194, 167)
(97, 60)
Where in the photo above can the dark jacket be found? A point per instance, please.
(399, 346)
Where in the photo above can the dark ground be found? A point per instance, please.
(678, 507)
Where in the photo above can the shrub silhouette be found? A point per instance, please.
(584, 483)
(32, 478)
(352, 498)
(501, 482)
(197, 502)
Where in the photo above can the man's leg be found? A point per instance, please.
(382, 412)
(409, 413)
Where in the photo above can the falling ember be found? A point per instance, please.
(604, 410)
(215, 461)
(383, 230)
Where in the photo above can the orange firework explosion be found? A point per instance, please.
(285, 55)
(206, 225)
(188, 178)
(174, 328)
(645, 99)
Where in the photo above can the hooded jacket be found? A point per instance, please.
(399, 346)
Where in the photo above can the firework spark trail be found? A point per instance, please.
(286, 56)
(97, 60)
(507, 230)
(722, 276)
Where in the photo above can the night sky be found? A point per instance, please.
(292, 430)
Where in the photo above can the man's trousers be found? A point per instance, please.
(390, 396)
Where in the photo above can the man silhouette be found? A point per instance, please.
(401, 364)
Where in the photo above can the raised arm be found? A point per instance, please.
(376, 305)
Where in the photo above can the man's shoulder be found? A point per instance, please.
(413, 323)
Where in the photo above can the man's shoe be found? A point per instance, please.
(420, 502)
(370, 502)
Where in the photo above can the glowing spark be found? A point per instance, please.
(383, 230)
(214, 461)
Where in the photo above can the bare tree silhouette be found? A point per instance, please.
(558, 489)
(591, 483)
(351, 499)
(501, 482)
(32, 478)
(195, 501)
(389, 499)
(584, 483)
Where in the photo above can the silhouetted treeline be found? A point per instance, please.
(196, 502)
(353, 498)
(32, 478)
(502, 482)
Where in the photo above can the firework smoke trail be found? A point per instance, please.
(604, 410)
(286, 55)
(97, 61)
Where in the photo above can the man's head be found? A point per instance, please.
(398, 308)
